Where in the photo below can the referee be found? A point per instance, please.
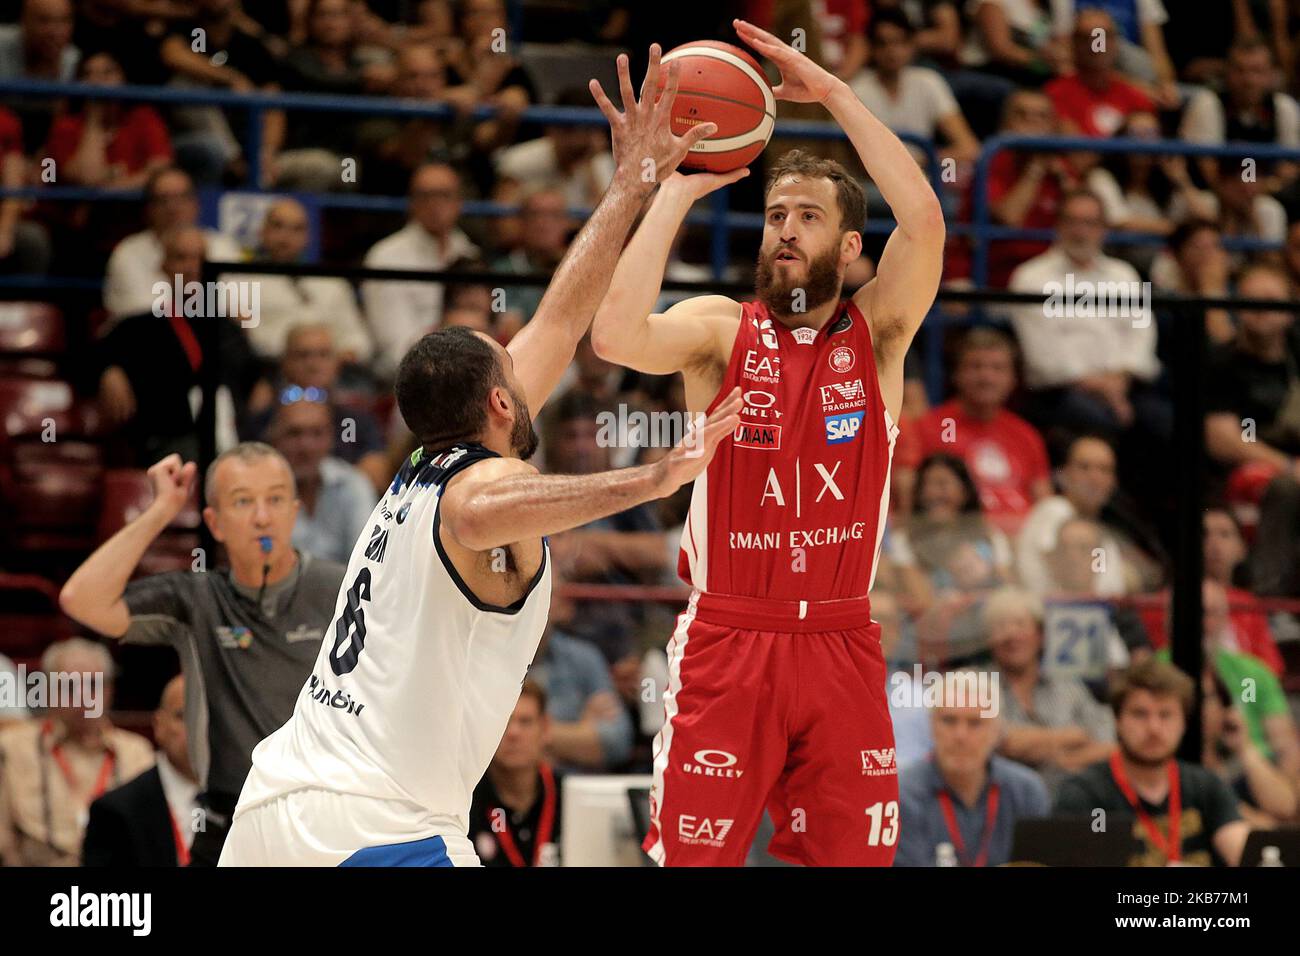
(247, 636)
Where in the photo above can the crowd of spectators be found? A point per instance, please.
(1031, 501)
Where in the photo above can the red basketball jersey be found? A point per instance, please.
(793, 506)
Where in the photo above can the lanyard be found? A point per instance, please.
(105, 768)
(544, 826)
(188, 341)
(182, 851)
(990, 817)
(1174, 850)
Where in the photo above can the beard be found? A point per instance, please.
(523, 437)
(1144, 760)
(821, 285)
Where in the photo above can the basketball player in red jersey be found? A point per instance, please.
(776, 691)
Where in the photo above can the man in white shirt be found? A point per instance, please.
(288, 301)
(908, 98)
(136, 262)
(1249, 108)
(400, 312)
(1090, 350)
(571, 159)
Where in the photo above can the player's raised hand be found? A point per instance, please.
(802, 80)
(698, 185)
(694, 452)
(172, 481)
(644, 144)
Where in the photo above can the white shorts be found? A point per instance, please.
(315, 827)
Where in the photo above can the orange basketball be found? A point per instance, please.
(720, 83)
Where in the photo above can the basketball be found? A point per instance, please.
(722, 84)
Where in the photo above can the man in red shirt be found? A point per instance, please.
(1004, 453)
(1095, 100)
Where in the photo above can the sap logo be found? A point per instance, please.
(695, 830)
(879, 763)
(766, 333)
(843, 428)
(766, 437)
(765, 369)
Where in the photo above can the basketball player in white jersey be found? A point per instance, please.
(446, 594)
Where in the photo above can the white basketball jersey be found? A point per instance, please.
(416, 678)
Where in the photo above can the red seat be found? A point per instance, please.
(32, 339)
(44, 409)
(127, 493)
(30, 619)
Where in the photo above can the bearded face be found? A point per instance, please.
(784, 270)
(523, 437)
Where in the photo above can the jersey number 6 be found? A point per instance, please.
(350, 630)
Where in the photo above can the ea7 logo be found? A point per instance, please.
(842, 428)
(878, 763)
(692, 829)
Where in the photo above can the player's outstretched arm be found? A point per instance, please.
(627, 331)
(645, 152)
(503, 500)
(93, 594)
(909, 270)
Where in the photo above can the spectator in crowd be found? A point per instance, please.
(1095, 100)
(546, 229)
(964, 797)
(137, 261)
(589, 727)
(1074, 569)
(1087, 483)
(38, 47)
(912, 733)
(947, 555)
(909, 98)
(14, 710)
(311, 367)
(1053, 724)
(1248, 108)
(335, 498)
(207, 137)
(640, 680)
(151, 365)
(400, 312)
(1265, 797)
(1264, 707)
(1025, 188)
(1142, 778)
(1224, 557)
(481, 71)
(572, 160)
(132, 31)
(1135, 32)
(1144, 192)
(151, 820)
(288, 301)
(392, 147)
(1005, 455)
(1243, 206)
(626, 548)
(108, 144)
(1096, 371)
(307, 153)
(1014, 39)
(24, 245)
(514, 817)
(247, 636)
(1195, 263)
(54, 768)
(1253, 419)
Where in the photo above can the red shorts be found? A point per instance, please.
(782, 705)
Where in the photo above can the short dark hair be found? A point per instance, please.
(1156, 677)
(848, 191)
(443, 385)
(1189, 229)
(531, 688)
(959, 470)
(893, 17)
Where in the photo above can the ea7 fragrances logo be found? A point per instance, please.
(1084, 299)
(879, 763)
(713, 763)
(76, 909)
(841, 395)
(701, 830)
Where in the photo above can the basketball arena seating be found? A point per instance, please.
(127, 493)
(30, 619)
